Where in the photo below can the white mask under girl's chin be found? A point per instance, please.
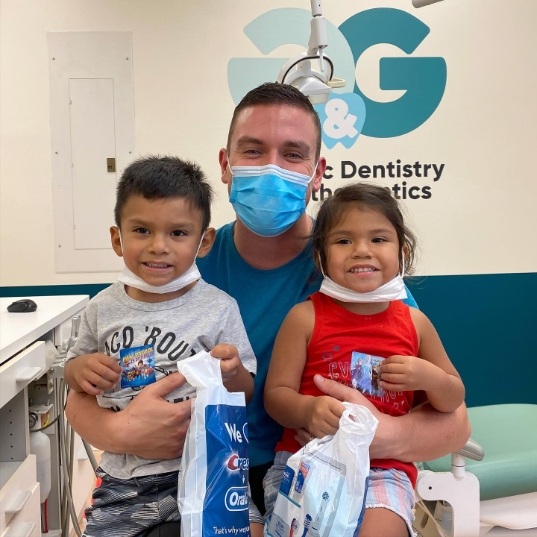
(128, 277)
(393, 290)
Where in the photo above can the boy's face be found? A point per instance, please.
(159, 242)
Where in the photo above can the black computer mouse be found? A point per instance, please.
(24, 305)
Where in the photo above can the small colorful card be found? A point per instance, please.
(365, 373)
(138, 365)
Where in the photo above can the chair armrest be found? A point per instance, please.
(472, 450)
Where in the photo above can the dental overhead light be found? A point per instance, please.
(317, 84)
(299, 72)
(422, 3)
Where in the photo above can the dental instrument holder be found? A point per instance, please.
(459, 488)
(75, 327)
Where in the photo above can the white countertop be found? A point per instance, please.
(18, 330)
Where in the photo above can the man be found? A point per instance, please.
(271, 166)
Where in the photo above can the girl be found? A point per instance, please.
(357, 331)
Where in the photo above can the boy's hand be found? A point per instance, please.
(92, 373)
(229, 359)
(234, 375)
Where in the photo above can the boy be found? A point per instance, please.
(159, 312)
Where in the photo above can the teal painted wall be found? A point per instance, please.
(488, 324)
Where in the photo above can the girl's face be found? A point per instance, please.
(362, 250)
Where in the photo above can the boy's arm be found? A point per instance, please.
(420, 435)
(149, 426)
(232, 335)
(69, 375)
(87, 370)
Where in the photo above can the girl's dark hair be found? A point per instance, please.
(367, 195)
(156, 177)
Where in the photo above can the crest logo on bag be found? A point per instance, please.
(238, 463)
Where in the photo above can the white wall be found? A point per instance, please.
(482, 217)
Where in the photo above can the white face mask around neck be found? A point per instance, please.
(393, 290)
(128, 277)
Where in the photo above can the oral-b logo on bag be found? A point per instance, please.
(236, 499)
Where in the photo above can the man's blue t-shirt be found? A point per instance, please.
(264, 297)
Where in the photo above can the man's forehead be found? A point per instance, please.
(250, 128)
(272, 109)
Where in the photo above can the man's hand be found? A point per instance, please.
(420, 435)
(154, 427)
(92, 373)
(149, 426)
(343, 393)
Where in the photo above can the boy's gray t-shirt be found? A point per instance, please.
(177, 329)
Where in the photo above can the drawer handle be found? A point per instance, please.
(18, 502)
(21, 530)
(29, 374)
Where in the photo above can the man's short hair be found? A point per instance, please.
(274, 93)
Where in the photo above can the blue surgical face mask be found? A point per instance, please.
(268, 199)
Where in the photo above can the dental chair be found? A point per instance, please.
(494, 493)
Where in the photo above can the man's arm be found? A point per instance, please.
(421, 435)
(149, 427)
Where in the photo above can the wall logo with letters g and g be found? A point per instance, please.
(349, 112)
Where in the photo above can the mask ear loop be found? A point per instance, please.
(120, 241)
(320, 264)
(314, 171)
(199, 246)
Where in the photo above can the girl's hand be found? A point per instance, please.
(322, 416)
(407, 373)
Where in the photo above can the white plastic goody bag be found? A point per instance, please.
(213, 481)
(324, 484)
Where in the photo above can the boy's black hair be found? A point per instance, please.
(375, 197)
(155, 177)
(274, 93)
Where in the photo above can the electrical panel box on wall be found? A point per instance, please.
(92, 136)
